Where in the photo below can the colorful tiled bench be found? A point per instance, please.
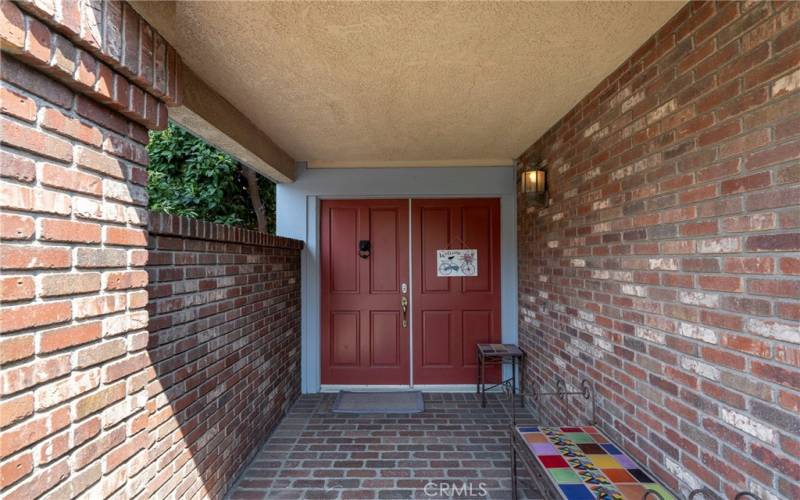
(581, 463)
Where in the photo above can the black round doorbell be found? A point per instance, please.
(363, 249)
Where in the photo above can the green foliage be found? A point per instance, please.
(189, 177)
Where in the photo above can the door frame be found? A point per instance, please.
(298, 217)
(317, 216)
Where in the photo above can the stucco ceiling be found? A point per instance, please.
(354, 83)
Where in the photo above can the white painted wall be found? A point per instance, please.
(298, 217)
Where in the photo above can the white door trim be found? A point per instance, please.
(304, 196)
(410, 300)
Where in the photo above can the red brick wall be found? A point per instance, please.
(72, 325)
(666, 268)
(92, 404)
(225, 344)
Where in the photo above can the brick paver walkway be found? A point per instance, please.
(455, 446)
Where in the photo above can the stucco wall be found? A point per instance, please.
(298, 218)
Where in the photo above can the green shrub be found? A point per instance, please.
(191, 178)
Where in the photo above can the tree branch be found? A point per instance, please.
(255, 198)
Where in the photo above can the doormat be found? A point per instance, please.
(379, 402)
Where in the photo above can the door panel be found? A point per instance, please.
(436, 330)
(476, 227)
(452, 314)
(343, 261)
(363, 340)
(385, 349)
(383, 258)
(431, 233)
(476, 330)
(344, 328)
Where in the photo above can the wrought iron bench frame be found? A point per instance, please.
(551, 490)
(526, 457)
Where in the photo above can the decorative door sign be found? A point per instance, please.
(456, 263)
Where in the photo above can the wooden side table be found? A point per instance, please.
(498, 354)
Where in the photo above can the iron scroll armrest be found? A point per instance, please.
(746, 494)
(707, 494)
(704, 493)
(561, 392)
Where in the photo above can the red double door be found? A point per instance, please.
(388, 317)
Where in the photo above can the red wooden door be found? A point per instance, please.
(450, 314)
(363, 337)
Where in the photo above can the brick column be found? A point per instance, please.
(81, 84)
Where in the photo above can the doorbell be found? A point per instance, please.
(363, 249)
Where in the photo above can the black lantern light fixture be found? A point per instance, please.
(533, 183)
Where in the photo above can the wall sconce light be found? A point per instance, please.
(534, 184)
(533, 181)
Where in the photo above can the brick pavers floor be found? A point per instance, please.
(454, 449)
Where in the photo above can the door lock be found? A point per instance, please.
(404, 306)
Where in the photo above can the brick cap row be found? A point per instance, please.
(185, 227)
(85, 68)
(117, 35)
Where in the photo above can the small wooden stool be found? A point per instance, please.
(497, 354)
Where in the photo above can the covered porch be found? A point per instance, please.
(378, 104)
(656, 256)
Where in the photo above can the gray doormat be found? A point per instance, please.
(378, 402)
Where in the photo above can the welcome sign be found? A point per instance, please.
(457, 263)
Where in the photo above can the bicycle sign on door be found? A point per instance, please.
(457, 263)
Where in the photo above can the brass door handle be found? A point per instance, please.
(404, 306)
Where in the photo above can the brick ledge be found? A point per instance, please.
(173, 225)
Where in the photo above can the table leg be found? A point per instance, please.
(522, 379)
(480, 360)
(483, 383)
(513, 380)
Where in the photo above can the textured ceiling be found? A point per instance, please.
(381, 82)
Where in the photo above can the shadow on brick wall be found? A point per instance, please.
(224, 344)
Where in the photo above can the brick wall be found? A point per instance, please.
(225, 344)
(72, 325)
(92, 404)
(666, 267)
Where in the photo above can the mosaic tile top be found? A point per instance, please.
(585, 465)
